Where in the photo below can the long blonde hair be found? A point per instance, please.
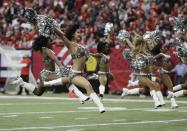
(140, 46)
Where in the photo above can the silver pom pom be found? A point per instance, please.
(122, 35)
(156, 35)
(109, 28)
(181, 25)
(138, 64)
(127, 54)
(147, 35)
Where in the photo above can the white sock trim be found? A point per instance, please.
(177, 87)
(78, 93)
(160, 97)
(96, 100)
(53, 82)
(28, 86)
(134, 91)
(101, 89)
(179, 93)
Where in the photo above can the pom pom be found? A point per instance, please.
(147, 35)
(156, 35)
(109, 28)
(122, 35)
(181, 25)
(127, 54)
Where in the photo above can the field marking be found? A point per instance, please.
(76, 99)
(35, 103)
(10, 116)
(93, 125)
(90, 109)
(45, 117)
(81, 118)
(51, 112)
(75, 130)
(107, 108)
(118, 120)
(161, 110)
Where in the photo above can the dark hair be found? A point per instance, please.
(30, 15)
(71, 31)
(39, 42)
(156, 50)
(101, 47)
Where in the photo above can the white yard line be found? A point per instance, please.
(81, 118)
(10, 116)
(76, 130)
(118, 120)
(94, 125)
(75, 99)
(91, 109)
(36, 103)
(45, 117)
(51, 112)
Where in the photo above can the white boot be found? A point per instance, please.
(18, 81)
(25, 85)
(155, 98)
(97, 101)
(29, 86)
(135, 91)
(101, 90)
(55, 82)
(160, 97)
(173, 103)
(125, 92)
(179, 93)
(170, 95)
(177, 87)
(133, 83)
(82, 98)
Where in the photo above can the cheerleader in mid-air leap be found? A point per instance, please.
(43, 43)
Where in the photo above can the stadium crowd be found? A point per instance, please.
(133, 15)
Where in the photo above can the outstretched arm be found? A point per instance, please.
(162, 55)
(129, 43)
(98, 55)
(61, 34)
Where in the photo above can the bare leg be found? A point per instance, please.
(166, 80)
(84, 83)
(103, 82)
(144, 81)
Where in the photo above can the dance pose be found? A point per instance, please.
(141, 69)
(49, 76)
(162, 62)
(153, 48)
(44, 26)
(103, 49)
(79, 55)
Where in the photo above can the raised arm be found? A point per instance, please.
(61, 34)
(129, 43)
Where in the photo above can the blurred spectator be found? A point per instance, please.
(181, 70)
(25, 73)
(132, 15)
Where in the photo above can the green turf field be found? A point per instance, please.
(57, 113)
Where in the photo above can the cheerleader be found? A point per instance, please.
(139, 65)
(44, 26)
